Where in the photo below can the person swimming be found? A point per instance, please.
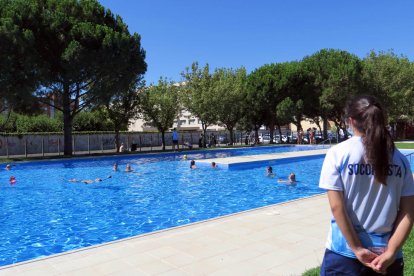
(214, 165)
(193, 165)
(269, 171)
(291, 179)
(89, 181)
(128, 168)
(185, 157)
(12, 180)
(8, 167)
(115, 167)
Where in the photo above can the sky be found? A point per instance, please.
(235, 33)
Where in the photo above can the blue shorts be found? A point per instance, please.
(335, 264)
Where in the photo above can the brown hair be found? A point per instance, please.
(370, 120)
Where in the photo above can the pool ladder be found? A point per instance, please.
(323, 142)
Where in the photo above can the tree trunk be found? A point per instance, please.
(298, 126)
(272, 130)
(231, 135)
(117, 144)
(67, 123)
(280, 133)
(204, 126)
(2, 127)
(163, 139)
(256, 135)
(325, 128)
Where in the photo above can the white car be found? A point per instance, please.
(265, 139)
(277, 139)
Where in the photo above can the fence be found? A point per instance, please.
(52, 144)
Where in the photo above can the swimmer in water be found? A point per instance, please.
(128, 168)
(185, 157)
(12, 180)
(89, 181)
(269, 171)
(214, 165)
(193, 165)
(115, 167)
(8, 167)
(291, 179)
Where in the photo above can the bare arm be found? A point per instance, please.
(402, 229)
(336, 201)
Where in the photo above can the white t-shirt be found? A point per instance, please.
(372, 207)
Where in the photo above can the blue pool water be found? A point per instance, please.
(44, 214)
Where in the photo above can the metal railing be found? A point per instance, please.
(323, 142)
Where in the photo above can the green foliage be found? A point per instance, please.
(228, 88)
(124, 105)
(92, 121)
(408, 253)
(24, 123)
(40, 123)
(404, 145)
(269, 87)
(336, 77)
(390, 78)
(160, 106)
(196, 95)
(75, 52)
(312, 272)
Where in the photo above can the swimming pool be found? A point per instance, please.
(44, 214)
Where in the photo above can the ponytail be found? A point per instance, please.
(370, 120)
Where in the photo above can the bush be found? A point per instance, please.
(8, 124)
(91, 121)
(40, 123)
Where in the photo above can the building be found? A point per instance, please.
(184, 121)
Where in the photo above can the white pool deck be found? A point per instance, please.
(245, 161)
(281, 239)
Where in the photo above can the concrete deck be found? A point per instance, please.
(282, 239)
(260, 159)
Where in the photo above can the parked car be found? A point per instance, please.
(264, 139)
(278, 140)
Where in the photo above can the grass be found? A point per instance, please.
(404, 145)
(408, 251)
(312, 272)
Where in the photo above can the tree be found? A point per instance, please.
(296, 94)
(268, 86)
(336, 76)
(390, 78)
(197, 95)
(18, 76)
(123, 107)
(229, 88)
(253, 115)
(160, 106)
(79, 53)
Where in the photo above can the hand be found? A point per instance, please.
(382, 262)
(365, 256)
